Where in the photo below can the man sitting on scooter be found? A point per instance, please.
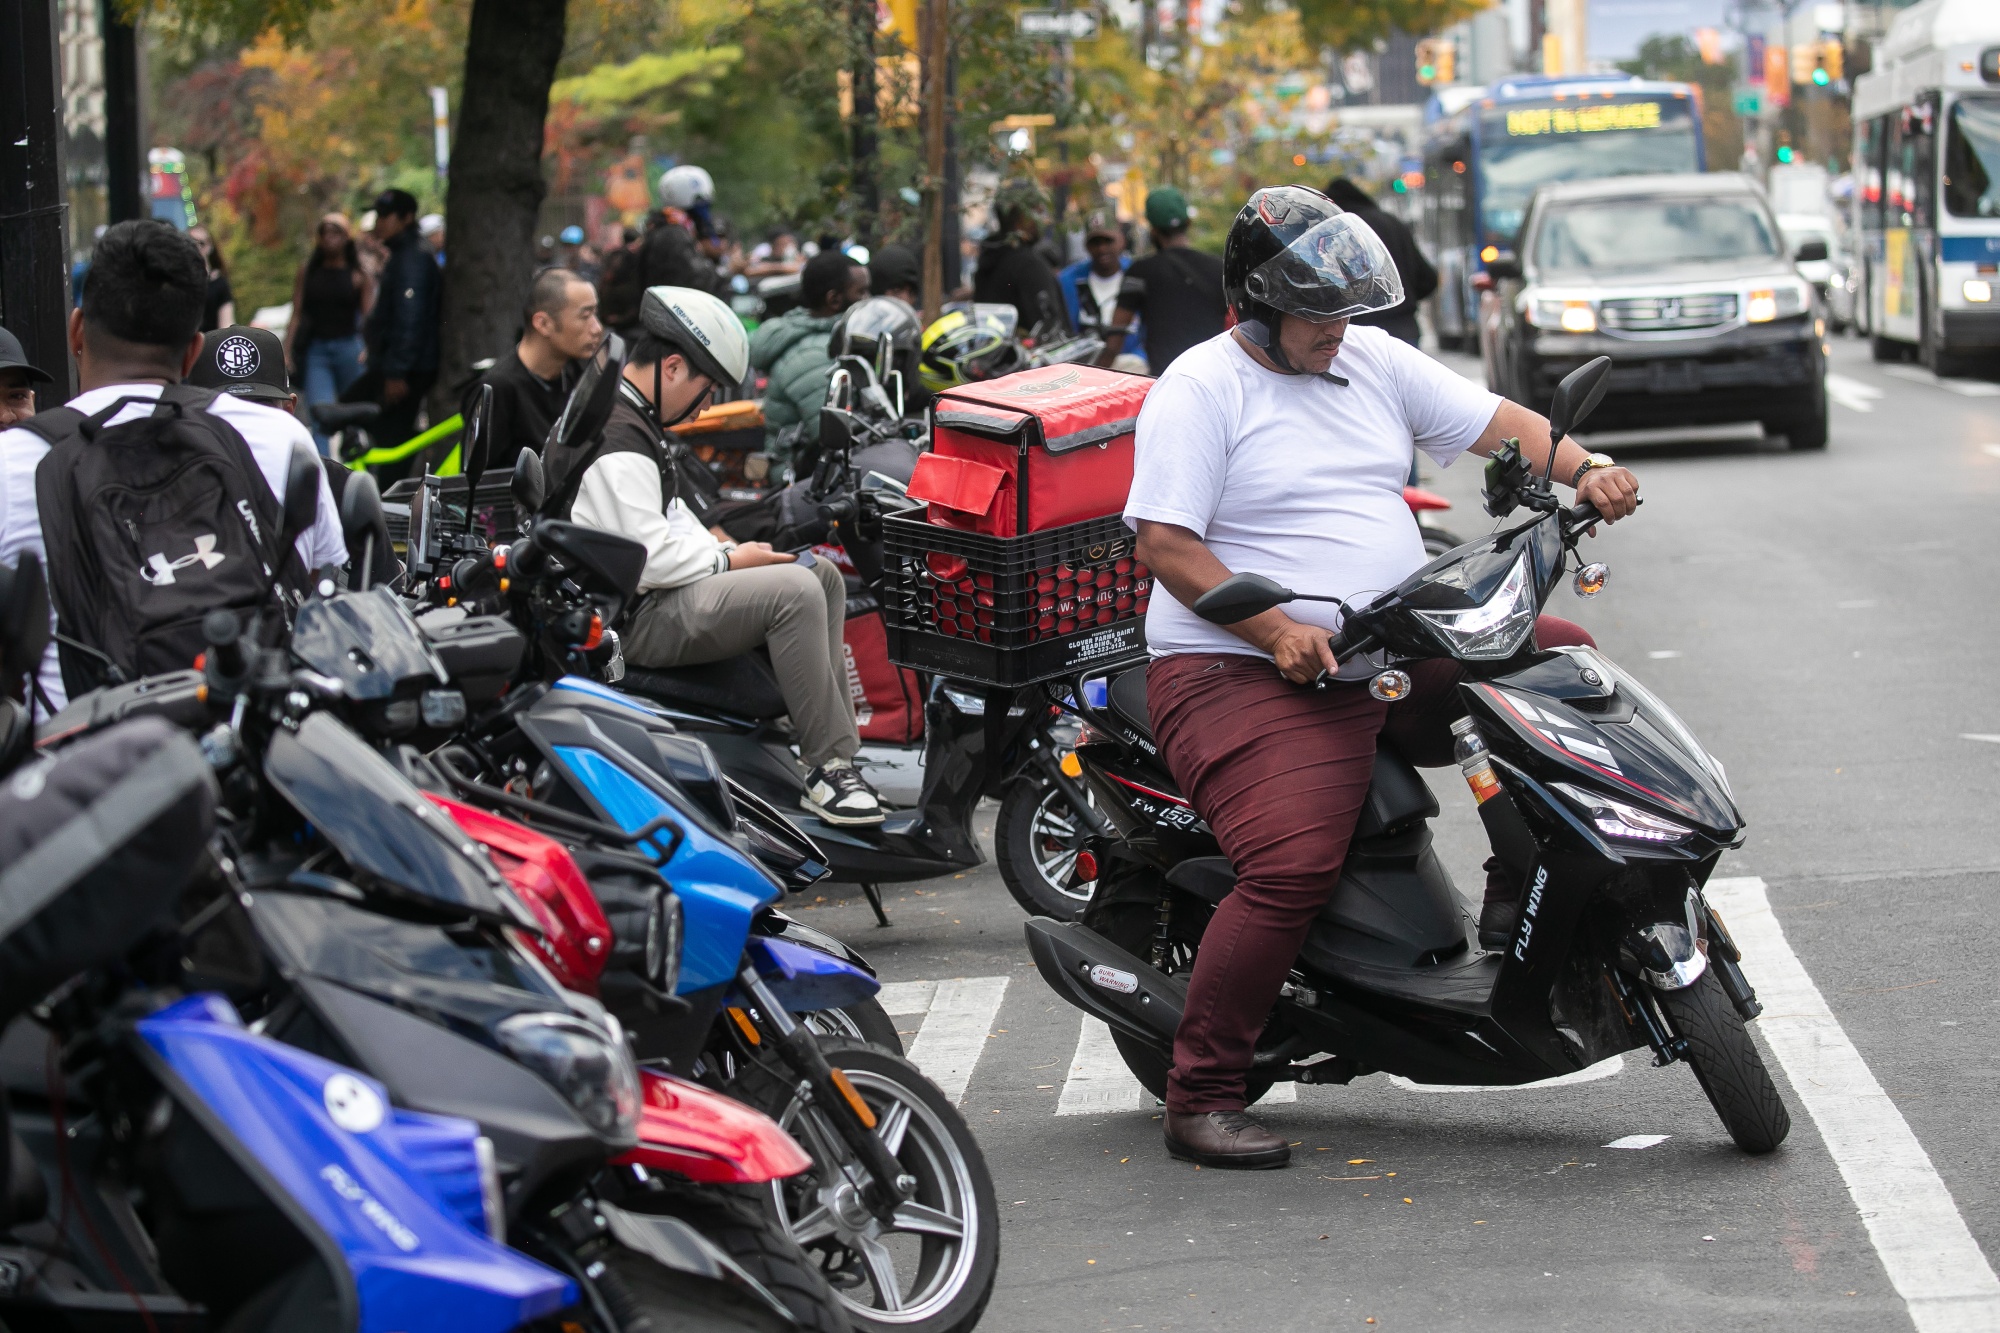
(1254, 455)
(706, 599)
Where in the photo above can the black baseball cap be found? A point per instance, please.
(13, 358)
(245, 361)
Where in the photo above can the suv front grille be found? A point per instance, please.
(1660, 314)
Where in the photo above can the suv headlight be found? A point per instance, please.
(589, 1067)
(1780, 301)
(1568, 316)
(1495, 628)
(1619, 820)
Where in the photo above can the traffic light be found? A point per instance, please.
(1447, 60)
(1831, 57)
(1804, 58)
(1427, 69)
(1785, 154)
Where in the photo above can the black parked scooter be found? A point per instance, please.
(1609, 813)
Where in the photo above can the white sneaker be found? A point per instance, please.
(837, 793)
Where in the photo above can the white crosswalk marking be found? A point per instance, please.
(953, 1036)
(1931, 1257)
(1098, 1081)
(1852, 394)
(906, 997)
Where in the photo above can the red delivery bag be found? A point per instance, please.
(888, 702)
(1030, 451)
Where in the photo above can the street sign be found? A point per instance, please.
(1051, 25)
(1749, 102)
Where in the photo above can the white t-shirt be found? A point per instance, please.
(1295, 477)
(1104, 290)
(271, 435)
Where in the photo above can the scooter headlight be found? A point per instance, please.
(588, 1066)
(1494, 629)
(1616, 819)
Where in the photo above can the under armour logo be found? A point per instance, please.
(160, 571)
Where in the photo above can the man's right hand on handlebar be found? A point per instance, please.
(1302, 651)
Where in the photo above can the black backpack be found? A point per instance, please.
(150, 525)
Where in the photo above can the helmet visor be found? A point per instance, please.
(1337, 269)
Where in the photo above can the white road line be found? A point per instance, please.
(907, 997)
(1993, 449)
(1639, 1142)
(1964, 388)
(1098, 1082)
(1931, 1258)
(953, 1036)
(1979, 736)
(1853, 394)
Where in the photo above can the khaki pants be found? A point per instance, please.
(799, 612)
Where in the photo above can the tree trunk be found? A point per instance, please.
(496, 188)
(866, 167)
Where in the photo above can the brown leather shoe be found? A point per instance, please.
(1231, 1140)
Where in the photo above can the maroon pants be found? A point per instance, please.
(1280, 772)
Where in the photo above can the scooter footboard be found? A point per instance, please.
(1105, 981)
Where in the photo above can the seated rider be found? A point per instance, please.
(706, 599)
(1254, 455)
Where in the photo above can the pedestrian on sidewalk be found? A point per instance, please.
(329, 298)
(1177, 290)
(402, 329)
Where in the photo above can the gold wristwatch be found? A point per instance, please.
(1590, 461)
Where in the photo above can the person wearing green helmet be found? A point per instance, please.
(1177, 289)
(1011, 269)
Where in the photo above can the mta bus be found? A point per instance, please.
(1927, 198)
(1484, 159)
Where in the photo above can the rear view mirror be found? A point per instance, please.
(302, 479)
(477, 448)
(1578, 396)
(24, 619)
(1811, 251)
(1239, 597)
(589, 405)
(528, 488)
(366, 528)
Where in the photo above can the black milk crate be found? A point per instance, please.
(1014, 610)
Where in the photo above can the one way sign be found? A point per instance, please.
(1074, 25)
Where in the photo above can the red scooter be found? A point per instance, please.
(1436, 540)
(694, 1143)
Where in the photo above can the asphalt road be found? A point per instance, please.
(1827, 624)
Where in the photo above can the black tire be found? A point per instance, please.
(741, 1224)
(953, 1275)
(1888, 349)
(1036, 840)
(867, 1021)
(655, 1299)
(1804, 426)
(1726, 1061)
(1132, 926)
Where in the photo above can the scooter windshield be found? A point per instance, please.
(381, 824)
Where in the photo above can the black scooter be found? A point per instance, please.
(1608, 812)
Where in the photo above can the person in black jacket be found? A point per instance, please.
(533, 381)
(1419, 278)
(1011, 271)
(402, 330)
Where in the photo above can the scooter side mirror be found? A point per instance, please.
(478, 449)
(24, 619)
(1578, 396)
(366, 528)
(302, 480)
(1239, 597)
(528, 487)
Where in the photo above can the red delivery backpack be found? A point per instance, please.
(888, 701)
(1031, 451)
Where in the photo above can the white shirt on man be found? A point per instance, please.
(1293, 476)
(271, 435)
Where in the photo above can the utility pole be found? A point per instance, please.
(124, 141)
(936, 93)
(34, 270)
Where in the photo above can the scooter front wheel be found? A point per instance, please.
(1726, 1061)
(866, 1021)
(929, 1270)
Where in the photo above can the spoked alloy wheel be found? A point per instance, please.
(1036, 841)
(933, 1268)
(866, 1021)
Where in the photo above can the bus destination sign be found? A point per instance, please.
(1583, 119)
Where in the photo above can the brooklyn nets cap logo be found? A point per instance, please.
(237, 357)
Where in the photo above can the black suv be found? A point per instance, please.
(1685, 282)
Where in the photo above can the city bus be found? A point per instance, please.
(1484, 159)
(1927, 198)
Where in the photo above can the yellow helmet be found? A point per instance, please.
(970, 343)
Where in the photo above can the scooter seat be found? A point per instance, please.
(740, 686)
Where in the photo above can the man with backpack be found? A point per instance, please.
(149, 517)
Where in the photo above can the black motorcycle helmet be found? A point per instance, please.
(1292, 251)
